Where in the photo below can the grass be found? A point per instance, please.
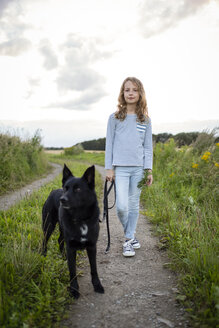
(33, 289)
(20, 161)
(84, 157)
(183, 205)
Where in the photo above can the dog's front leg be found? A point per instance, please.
(71, 257)
(48, 228)
(91, 252)
(61, 243)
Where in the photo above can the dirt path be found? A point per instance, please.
(10, 199)
(139, 291)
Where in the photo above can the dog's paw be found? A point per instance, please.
(74, 293)
(99, 289)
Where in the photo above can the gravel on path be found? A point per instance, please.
(10, 199)
(139, 291)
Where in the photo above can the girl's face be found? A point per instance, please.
(131, 93)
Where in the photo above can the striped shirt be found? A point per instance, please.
(128, 143)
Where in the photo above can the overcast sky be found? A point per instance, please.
(62, 64)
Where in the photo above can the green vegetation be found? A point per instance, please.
(181, 139)
(183, 204)
(97, 144)
(84, 157)
(74, 150)
(20, 161)
(33, 289)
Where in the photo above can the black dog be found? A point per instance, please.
(76, 210)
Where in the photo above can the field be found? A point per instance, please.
(182, 204)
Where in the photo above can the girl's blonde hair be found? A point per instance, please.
(141, 106)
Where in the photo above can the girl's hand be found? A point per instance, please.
(110, 175)
(149, 179)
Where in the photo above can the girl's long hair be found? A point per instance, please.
(141, 106)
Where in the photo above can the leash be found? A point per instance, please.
(106, 208)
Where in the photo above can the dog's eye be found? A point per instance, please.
(66, 188)
(77, 189)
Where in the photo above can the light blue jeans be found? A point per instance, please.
(128, 197)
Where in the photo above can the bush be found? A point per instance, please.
(97, 144)
(183, 203)
(204, 141)
(185, 138)
(20, 161)
(74, 150)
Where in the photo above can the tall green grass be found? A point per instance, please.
(183, 203)
(85, 157)
(20, 161)
(33, 289)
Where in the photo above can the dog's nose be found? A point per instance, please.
(63, 199)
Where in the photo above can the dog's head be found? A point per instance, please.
(78, 192)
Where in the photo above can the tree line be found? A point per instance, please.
(181, 139)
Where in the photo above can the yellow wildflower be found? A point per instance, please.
(171, 174)
(217, 144)
(194, 165)
(206, 155)
(216, 164)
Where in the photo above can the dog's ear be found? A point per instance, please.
(89, 176)
(66, 174)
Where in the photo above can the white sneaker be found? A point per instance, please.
(135, 243)
(128, 249)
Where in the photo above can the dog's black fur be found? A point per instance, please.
(76, 210)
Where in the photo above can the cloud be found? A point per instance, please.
(157, 16)
(3, 5)
(14, 47)
(50, 58)
(77, 73)
(12, 19)
(83, 51)
(13, 29)
(82, 102)
(33, 84)
(78, 79)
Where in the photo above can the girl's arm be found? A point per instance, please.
(109, 147)
(148, 153)
(148, 147)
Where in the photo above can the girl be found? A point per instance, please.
(128, 154)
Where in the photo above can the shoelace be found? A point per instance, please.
(128, 248)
